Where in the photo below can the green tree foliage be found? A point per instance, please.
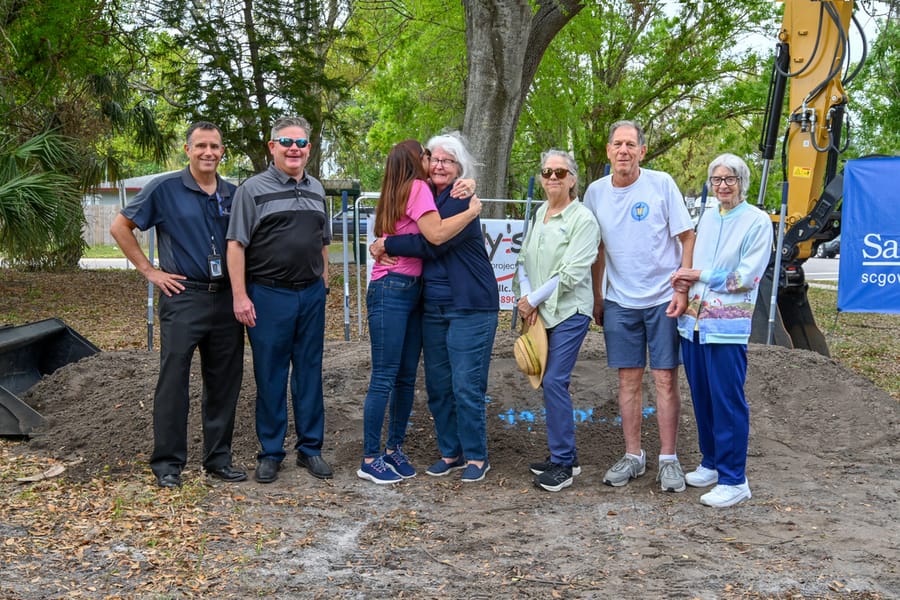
(501, 70)
(677, 68)
(63, 70)
(40, 206)
(243, 63)
(415, 88)
(435, 74)
(878, 90)
(48, 42)
(68, 71)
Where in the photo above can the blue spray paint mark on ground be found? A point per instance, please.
(526, 418)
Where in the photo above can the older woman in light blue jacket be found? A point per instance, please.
(731, 253)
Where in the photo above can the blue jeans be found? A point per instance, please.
(289, 337)
(457, 348)
(395, 329)
(564, 341)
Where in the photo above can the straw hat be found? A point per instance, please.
(530, 351)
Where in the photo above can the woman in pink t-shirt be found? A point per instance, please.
(406, 206)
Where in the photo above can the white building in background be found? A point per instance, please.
(118, 193)
(103, 202)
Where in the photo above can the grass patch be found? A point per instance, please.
(864, 342)
(111, 251)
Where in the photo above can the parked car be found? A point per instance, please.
(357, 249)
(337, 221)
(829, 249)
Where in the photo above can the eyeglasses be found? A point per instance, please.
(288, 142)
(717, 181)
(444, 162)
(560, 173)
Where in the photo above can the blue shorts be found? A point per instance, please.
(630, 332)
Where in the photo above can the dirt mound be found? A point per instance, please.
(822, 468)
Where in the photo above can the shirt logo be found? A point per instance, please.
(640, 211)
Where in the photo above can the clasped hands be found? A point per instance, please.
(681, 281)
(377, 252)
(683, 278)
(462, 188)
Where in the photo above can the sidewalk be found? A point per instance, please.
(105, 263)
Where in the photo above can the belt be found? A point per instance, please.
(205, 286)
(283, 283)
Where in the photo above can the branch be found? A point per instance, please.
(146, 87)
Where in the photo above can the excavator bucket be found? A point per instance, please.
(27, 353)
(794, 325)
(759, 333)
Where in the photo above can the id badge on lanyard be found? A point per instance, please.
(214, 262)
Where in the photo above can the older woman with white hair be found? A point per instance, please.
(730, 256)
(460, 307)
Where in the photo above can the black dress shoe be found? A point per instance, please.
(229, 474)
(315, 465)
(169, 480)
(267, 470)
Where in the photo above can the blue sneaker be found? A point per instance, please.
(378, 472)
(473, 473)
(442, 467)
(399, 462)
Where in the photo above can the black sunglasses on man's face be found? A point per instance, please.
(287, 142)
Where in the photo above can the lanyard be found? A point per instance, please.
(219, 209)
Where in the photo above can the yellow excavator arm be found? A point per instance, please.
(816, 32)
(812, 59)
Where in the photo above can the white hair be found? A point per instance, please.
(454, 144)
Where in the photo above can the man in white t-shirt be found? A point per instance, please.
(646, 234)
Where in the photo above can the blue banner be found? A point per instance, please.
(869, 272)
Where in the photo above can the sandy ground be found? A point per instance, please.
(822, 522)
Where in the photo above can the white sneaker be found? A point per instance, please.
(702, 477)
(726, 495)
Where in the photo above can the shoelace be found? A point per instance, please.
(668, 470)
(398, 456)
(625, 463)
(379, 465)
(560, 475)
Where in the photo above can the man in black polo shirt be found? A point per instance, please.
(278, 240)
(190, 211)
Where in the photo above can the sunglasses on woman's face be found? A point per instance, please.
(560, 173)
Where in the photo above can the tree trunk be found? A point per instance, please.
(505, 42)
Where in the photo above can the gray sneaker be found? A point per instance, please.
(670, 476)
(625, 470)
